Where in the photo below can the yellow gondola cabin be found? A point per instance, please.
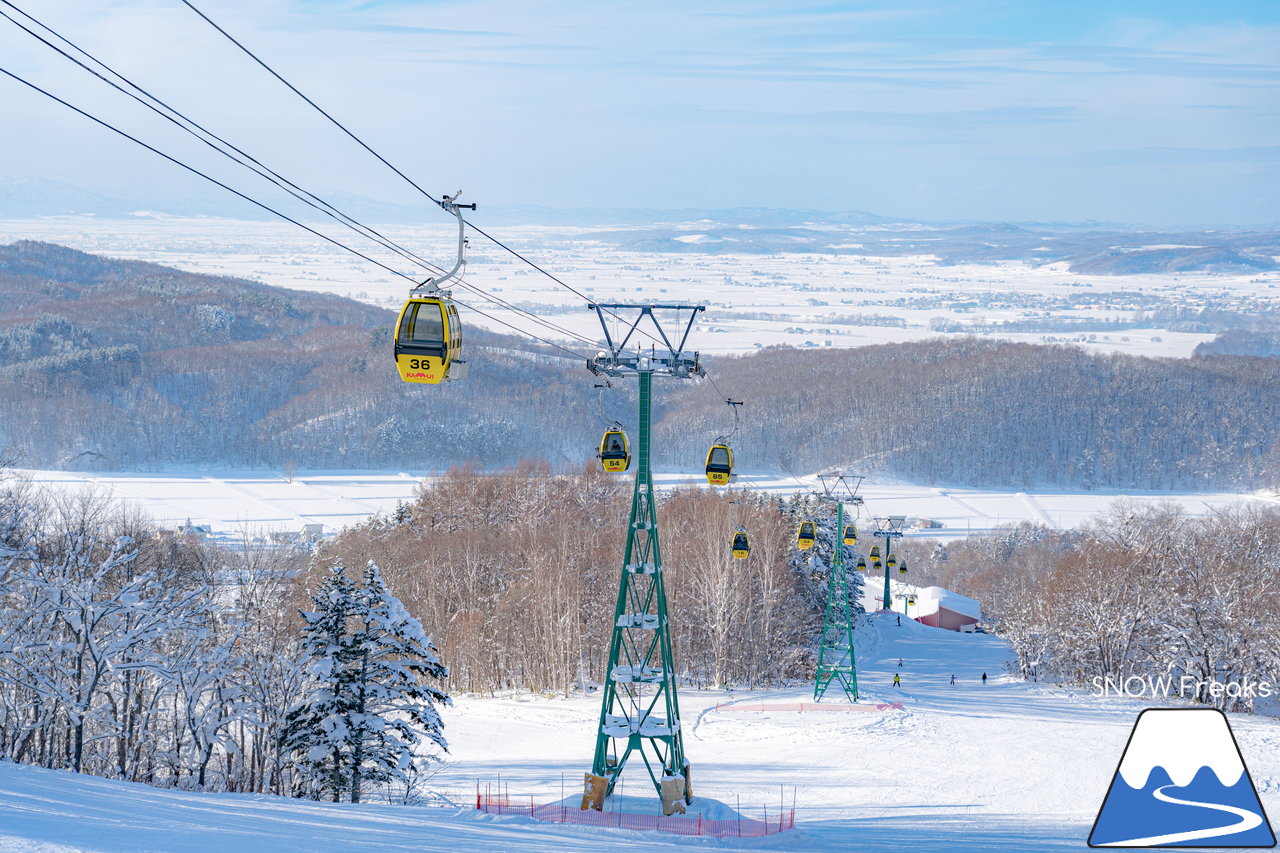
(428, 340)
(615, 451)
(741, 545)
(850, 535)
(805, 535)
(719, 464)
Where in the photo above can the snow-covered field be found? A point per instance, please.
(235, 503)
(1009, 766)
(752, 300)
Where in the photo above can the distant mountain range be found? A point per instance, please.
(33, 197)
(1091, 252)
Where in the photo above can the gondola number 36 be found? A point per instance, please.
(420, 364)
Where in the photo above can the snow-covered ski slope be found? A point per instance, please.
(1008, 766)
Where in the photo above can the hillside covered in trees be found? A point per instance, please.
(141, 655)
(515, 569)
(985, 412)
(1141, 591)
(119, 365)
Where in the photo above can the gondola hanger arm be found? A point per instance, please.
(451, 204)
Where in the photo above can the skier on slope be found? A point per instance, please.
(984, 678)
(953, 680)
(897, 680)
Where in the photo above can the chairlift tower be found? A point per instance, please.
(640, 711)
(836, 661)
(888, 528)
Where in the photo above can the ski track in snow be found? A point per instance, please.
(1003, 768)
(969, 508)
(1038, 511)
(370, 508)
(244, 494)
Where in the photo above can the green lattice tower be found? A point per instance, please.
(835, 653)
(640, 712)
(890, 529)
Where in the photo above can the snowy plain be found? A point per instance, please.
(753, 300)
(239, 503)
(1006, 766)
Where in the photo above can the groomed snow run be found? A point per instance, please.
(1008, 767)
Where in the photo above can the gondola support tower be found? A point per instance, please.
(889, 528)
(640, 710)
(836, 659)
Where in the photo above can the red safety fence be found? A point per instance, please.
(743, 827)
(809, 706)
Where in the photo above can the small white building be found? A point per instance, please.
(943, 608)
(929, 605)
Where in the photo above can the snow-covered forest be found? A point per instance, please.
(146, 656)
(149, 657)
(519, 571)
(112, 365)
(1141, 592)
(978, 411)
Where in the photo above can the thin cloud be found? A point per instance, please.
(889, 103)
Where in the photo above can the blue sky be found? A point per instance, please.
(1149, 113)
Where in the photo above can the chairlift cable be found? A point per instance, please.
(201, 174)
(313, 104)
(206, 136)
(503, 303)
(386, 162)
(242, 158)
(267, 207)
(518, 330)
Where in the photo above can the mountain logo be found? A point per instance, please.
(1182, 783)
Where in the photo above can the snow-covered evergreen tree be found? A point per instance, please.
(366, 715)
(393, 714)
(316, 732)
